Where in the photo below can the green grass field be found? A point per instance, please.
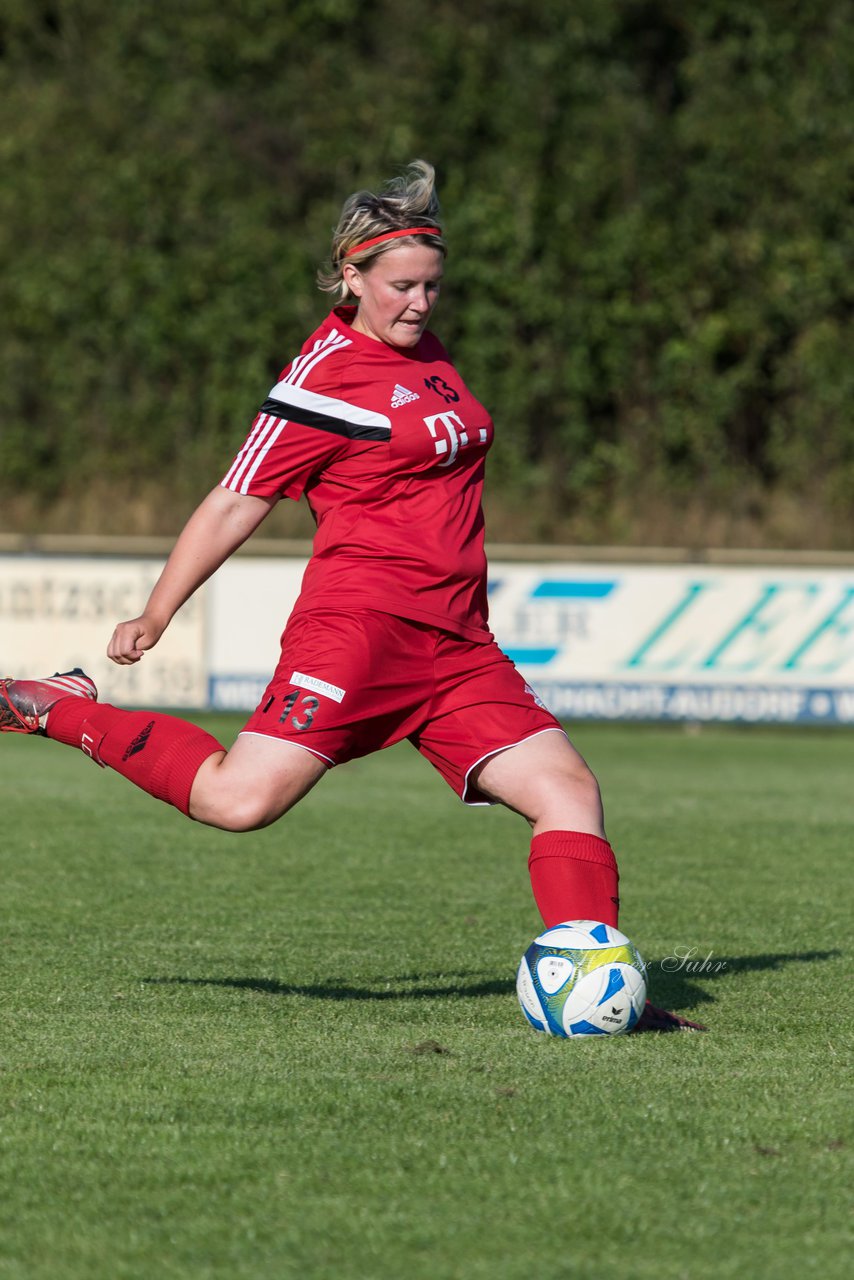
(299, 1054)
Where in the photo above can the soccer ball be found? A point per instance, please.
(582, 978)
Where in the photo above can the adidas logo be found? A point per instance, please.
(401, 396)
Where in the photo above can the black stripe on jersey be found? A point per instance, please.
(324, 421)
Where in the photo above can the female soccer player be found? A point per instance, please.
(389, 637)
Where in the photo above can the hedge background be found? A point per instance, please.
(649, 210)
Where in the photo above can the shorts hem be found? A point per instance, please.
(473, 804)
(272, 737)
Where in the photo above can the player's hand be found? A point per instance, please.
(131, 639)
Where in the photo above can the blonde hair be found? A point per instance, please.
(407, 201)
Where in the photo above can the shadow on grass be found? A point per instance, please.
(673, 979)
(676, 987)
(337, 990)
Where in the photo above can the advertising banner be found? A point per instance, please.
(250, 600)
(58, 612)
(615, 642)
(681, 643)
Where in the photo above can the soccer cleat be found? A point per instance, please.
(24, 704)
(655, 1019)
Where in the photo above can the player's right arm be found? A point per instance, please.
(298, 432)
(218, 526)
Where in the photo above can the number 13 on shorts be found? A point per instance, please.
(308, 704)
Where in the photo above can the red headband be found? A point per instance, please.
(393, 235)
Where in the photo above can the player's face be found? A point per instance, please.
(396, 293)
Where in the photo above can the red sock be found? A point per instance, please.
(574, 877)
(158, 753)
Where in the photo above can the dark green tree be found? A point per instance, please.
(648, 206)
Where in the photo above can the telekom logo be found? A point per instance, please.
(450, 435)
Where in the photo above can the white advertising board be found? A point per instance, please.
(681, 643)
(695, 643)
(250, 600)
(610, 641)
(58, 612)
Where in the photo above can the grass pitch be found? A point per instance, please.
(298, 1054)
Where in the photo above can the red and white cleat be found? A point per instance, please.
(24, 704)
(654, 1019)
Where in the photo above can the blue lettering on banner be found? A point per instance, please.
(760, 620)
(831, 625)
(554, 613)
(639, 700)
(749, 703)
(235, 692)
(533, 657)
(640, 658)
(765, 637)
(559, 589)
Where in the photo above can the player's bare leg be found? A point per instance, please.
(546, 780)
(174, 760)
(253, 784)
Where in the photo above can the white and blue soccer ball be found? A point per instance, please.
(582, 978)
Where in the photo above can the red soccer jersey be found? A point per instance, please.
(388, 446)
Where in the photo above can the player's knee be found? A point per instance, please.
(571, 776)
(573, 787)
(238, 812)
(245, 818)
(583, 781)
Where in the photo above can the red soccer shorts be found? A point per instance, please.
(349, 684)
